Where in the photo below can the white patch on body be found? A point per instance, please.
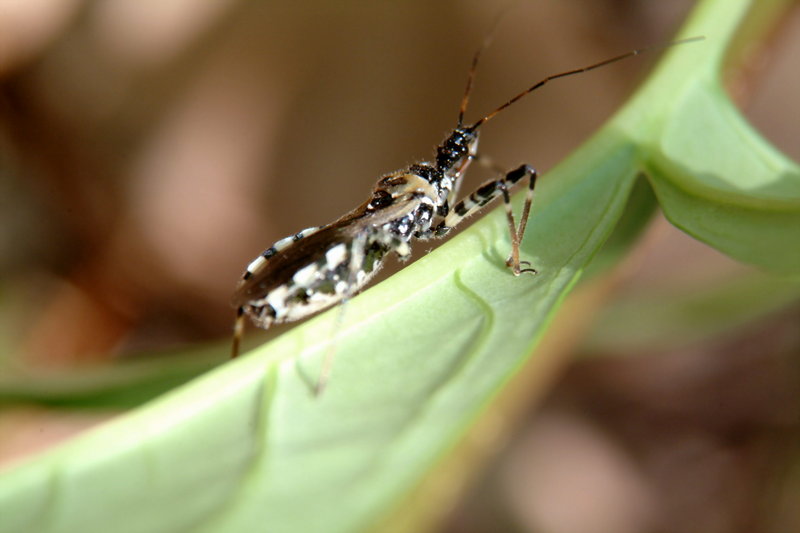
(283, 243)
(306, 275)
(403, 249)
(255, 265)
(336, 256)
(277, 299)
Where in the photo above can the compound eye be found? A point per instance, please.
(380, 200)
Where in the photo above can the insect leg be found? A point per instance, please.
(518, 232)
(355, 265)
(482, 160)
(238, 332)
(485, 194)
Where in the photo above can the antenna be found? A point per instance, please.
(474, 67)
(470, 78)
(542, 82)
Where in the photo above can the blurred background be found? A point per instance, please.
(150, 149)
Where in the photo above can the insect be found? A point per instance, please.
(319, 267)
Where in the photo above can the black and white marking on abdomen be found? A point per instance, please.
(321, 283)
(259, 262)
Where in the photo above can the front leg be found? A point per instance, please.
(485, 194)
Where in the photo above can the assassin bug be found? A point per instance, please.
(319, 267)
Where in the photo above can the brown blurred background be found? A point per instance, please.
(150, 149)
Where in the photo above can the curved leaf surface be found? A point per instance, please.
(248, 447)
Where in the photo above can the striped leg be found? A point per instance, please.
(517, 232)
(485, 194)
(357, 248)
(238, 332)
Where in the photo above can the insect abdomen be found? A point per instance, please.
(307, 276)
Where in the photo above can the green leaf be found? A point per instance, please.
(250, 440)
(714, 175)
(248, 447)
(124, 385)
(667, 318)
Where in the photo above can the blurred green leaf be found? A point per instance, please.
(662, 319)
(124, 384)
